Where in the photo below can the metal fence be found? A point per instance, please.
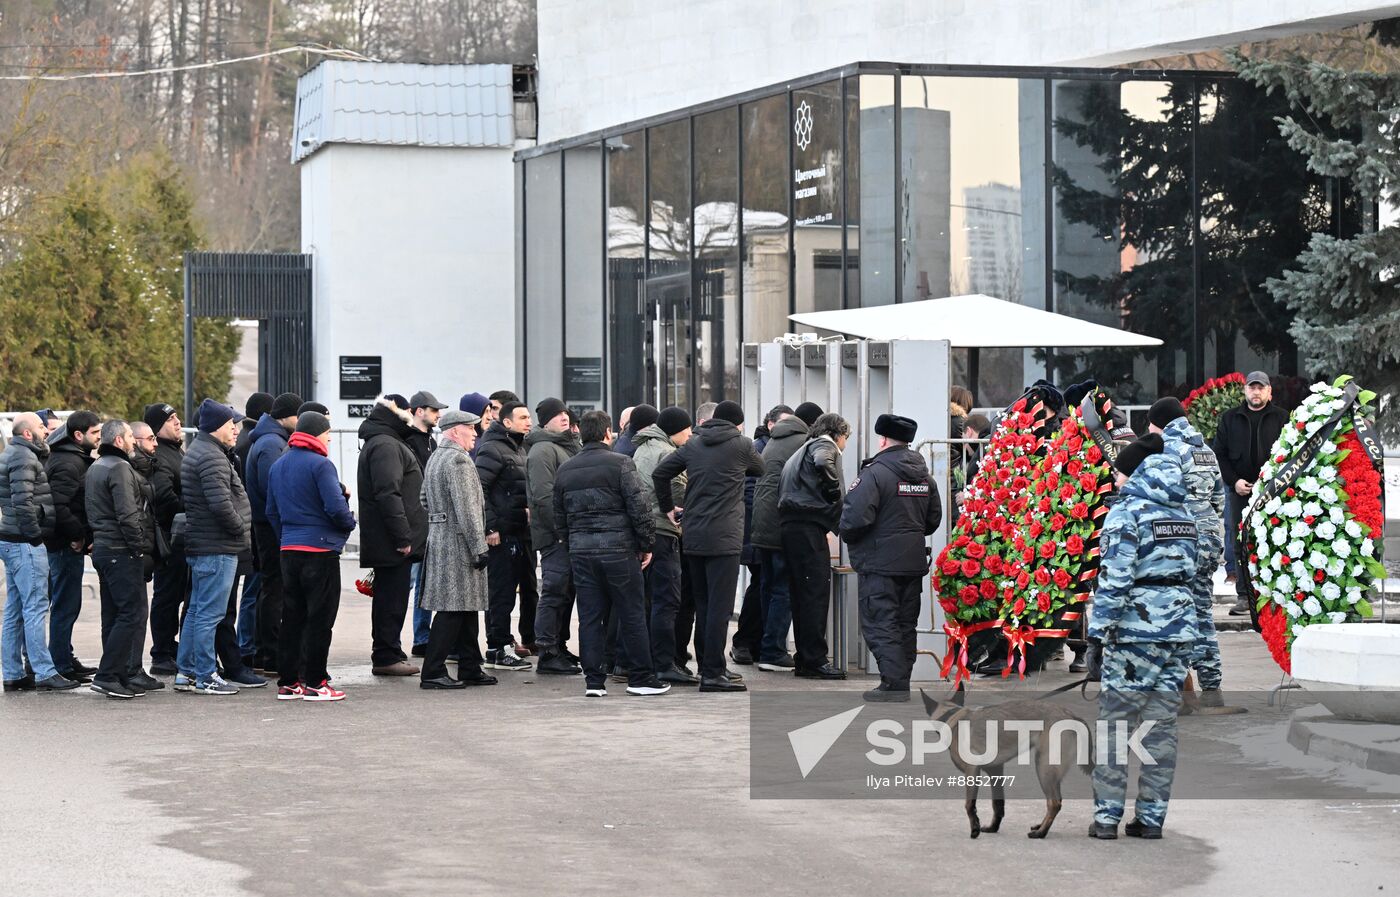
(273, 288)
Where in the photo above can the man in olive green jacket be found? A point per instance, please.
(653, 445)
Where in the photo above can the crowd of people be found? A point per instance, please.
(638, 530)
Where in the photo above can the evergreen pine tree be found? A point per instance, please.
(1344, 292)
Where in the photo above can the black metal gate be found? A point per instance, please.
(273, 288)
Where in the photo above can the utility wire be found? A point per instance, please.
(329, 52)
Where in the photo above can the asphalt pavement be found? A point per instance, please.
(528, 786)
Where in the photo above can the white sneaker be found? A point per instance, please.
(598, 692)
(654, 687)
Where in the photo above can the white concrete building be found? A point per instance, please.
(408, 213)
(603, 64)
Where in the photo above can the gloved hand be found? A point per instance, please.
(481, 561)
(1093, 661)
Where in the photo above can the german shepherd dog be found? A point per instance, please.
(971, 740)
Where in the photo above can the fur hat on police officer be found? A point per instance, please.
(897, 428)
(1134, 453)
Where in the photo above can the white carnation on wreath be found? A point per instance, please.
(1272, 505)
(1265, 574)
(1327, 531)
(1353, 595)
(1299, 530)
(1358, 570)
(1329, 495)
(1352, 528)
(1368, 548)
(1336, 567)
(1337, 516)
(1336, 616)
(1327, 474)
(1294, 549)
(1292, 509)
(1312, 508)
(1317, 560)
(1283, 583)
(1293, 609)
(1312, 607)
(1341, 548)
(1279, 536)
(1306, 584)
(1331, 591)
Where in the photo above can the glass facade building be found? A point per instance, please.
(1155, 201)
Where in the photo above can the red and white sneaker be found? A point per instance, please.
(290, 692)
(324, 692)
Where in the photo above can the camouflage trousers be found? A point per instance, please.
(1205, 660)
(1141, 687)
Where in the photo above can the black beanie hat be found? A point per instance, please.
(673, 420)
(1165, 410)
(548, 409)
(285, 405)
(1134, 453)
(313, 406)
(808, 412)
(259, 403)
(643, 416)
(726, 411)
(893, 426)
(312, 423)
(213, 415)
(156, 415)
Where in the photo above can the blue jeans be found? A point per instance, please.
(422, 619)
(26, 610)
(248, 615)
(212, 579)
(65, 601)
(777, 606)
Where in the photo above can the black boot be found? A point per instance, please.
(1103, 831)
(554, 663)
(1137, 829)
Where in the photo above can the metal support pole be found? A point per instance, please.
(189, 347)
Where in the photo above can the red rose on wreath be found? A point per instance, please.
(968, 594)
(1042, 577)
(1019, 607)
(1036, 530)
(1079, 511)
(1047, 550)
(1062, 578)
(1075, 544)
(989, 588)
(1043, 603)
(948, 605)
(977, 550)
(1094, 455)
(1058, 522)
(1088, 482)
(1023, 579)
(1074, 468)
(993, 565)
(1028, 555)
(950, 567)
(971, 568)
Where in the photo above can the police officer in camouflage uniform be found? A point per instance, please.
(886, 517)
(1144, 620)
(1205, 500)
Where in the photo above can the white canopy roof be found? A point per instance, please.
(973, 322)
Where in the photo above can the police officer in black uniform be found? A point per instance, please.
(887, 515)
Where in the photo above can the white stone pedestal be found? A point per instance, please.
(1353, 668)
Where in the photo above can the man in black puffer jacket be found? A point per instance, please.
(393, 529)
(70, 455)
(886, 518)
(218, 529)
(170, 588)
(809, 505)
(500, 462)
(26, 520)
(786, 437)
(603, 518)
(119, 509)
(716, 460)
